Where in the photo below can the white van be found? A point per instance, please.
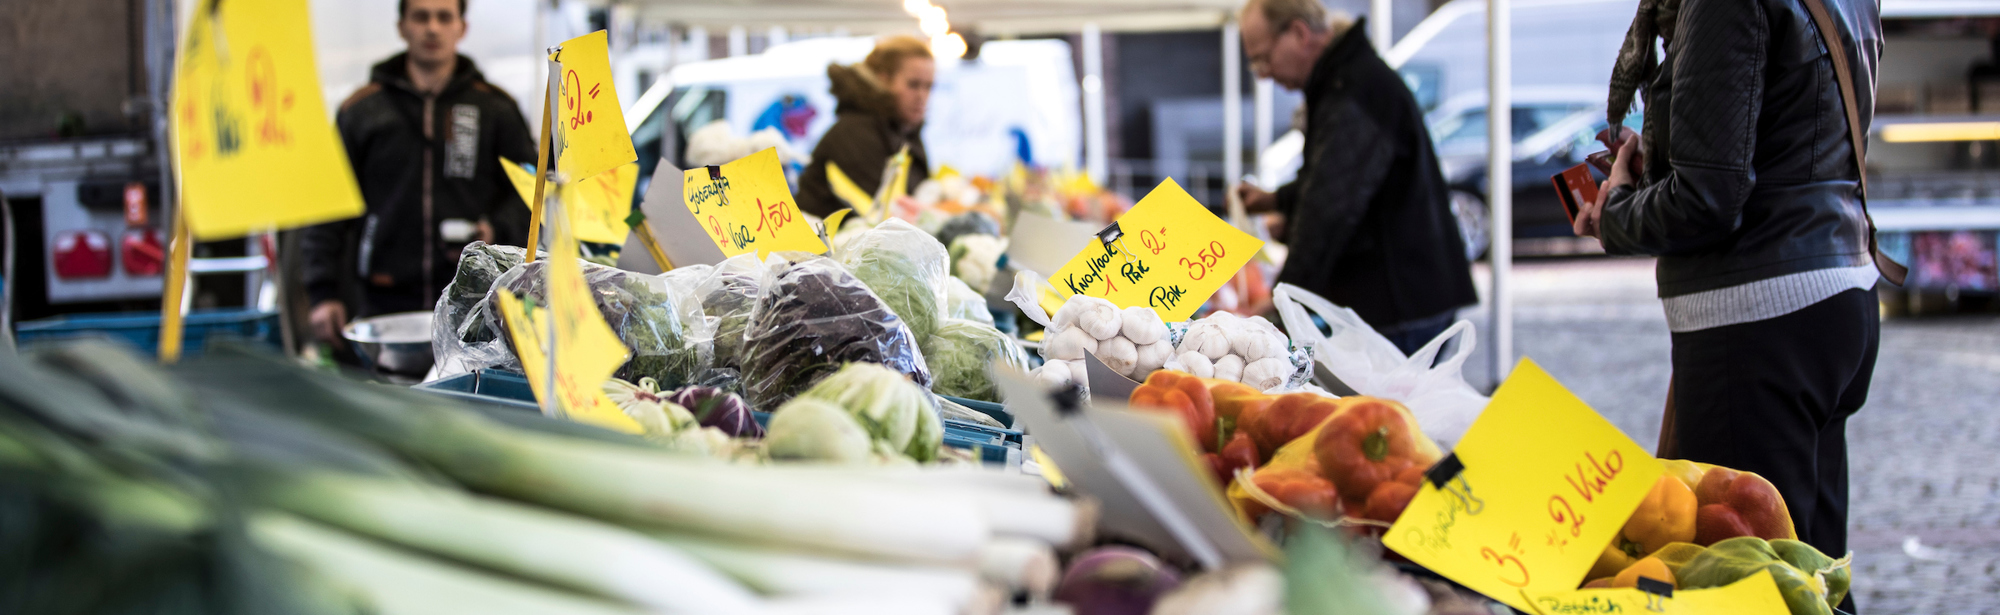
(1017, 99)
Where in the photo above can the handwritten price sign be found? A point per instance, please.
(597, 206)
(586, 350)
(749, 208)
(254, 147)
(588, 122)
(1174, 254)
(1547, 483)
(1755, 595)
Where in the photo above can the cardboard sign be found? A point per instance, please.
(597, 207)
(1145, 470)
(588, 123)
(1168, 253)
(1755, 595)
(586, 350)
(746, 207)
(250, 132)
(1546, 482)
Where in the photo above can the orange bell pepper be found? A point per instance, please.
(1287, 418)
(1297, 488)
(1369, 443)
(1666, 515)
(1186, 396)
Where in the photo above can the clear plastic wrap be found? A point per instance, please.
(811, 317)
(962, 355)
(461, 341)
(964, 303)
(727, 295)
(661, 323)
(906, 268)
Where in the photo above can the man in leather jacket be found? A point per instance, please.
(1369, 220)
(425, 138)
(1751, 199)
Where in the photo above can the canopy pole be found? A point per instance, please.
(1261, 125)
(1381, 26)
(1232, 106)
(1096, 160)
(739, 42)
(1500, 183)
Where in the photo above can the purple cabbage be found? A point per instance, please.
(722, 410)
(1115, 580)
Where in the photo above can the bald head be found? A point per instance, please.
(1283, 38)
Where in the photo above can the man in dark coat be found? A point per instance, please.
(425, 138)
(1368, 220)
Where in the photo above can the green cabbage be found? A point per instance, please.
(898, 415)
(816, 430)
(904, 266)
(962, 355)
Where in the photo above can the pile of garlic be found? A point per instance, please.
(1133, 342)
(1229, 347)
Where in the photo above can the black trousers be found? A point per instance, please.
(1773, 397)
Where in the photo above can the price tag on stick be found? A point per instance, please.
(251, 138)
(1530, 496)
(588, 124)
(1168, 253)
(599, 208)
(746, 207)
(585, 350)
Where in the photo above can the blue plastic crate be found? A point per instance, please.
(141, 330)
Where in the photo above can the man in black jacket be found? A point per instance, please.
(425, 137)
(1368, 220)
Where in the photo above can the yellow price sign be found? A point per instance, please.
(251, 139)
(589, 124)
(1546, 483)
(1172, 255)
(1754, 595)
(747, 207)
(598, 207)
(586, 350)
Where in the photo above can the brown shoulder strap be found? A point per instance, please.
(1893, 271)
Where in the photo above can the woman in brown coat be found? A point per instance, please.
(881, 110)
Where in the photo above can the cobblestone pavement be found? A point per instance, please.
(1925, 501)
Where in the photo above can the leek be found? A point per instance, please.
(792, 574)
(569, 551)
(396, 582)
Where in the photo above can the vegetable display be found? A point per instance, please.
(242, 484)
(906, 268)
(719, 409)
(1811, 582)
(811, 318)
(962, 357)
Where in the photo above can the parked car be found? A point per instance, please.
(1553, 128)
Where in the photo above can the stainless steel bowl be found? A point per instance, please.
(395, 343)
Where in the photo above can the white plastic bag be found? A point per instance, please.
(1435, 391)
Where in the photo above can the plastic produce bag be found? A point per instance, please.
(660, 323)
(727, 295)
(906, 268)
(964, 303)
(963, 355)
(1435, 390)
(461, 339)
(811, 318)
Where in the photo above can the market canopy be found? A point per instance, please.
(988, 17)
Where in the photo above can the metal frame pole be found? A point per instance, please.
(1096, 159)
(1260, 124)
(1500, 183)
(1232, 105)
(1381, 26)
